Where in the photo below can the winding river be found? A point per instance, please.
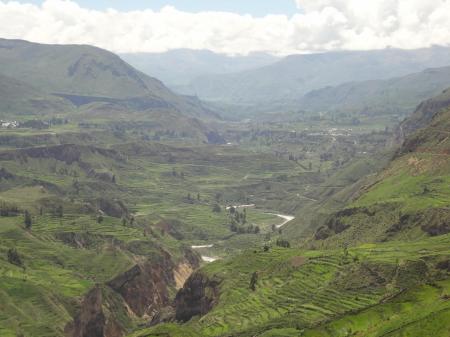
(286, 219)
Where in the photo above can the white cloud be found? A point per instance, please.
(320, 25)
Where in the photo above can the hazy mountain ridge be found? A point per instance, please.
(393, 96)
(294, 76)
(177, 68)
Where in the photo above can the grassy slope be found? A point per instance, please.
(40, 299)
(103, 89)
(398, 95)
(298, 292)
(409, 194)
(76, 69)
(19, 99)
(378, 289)
(57, 274)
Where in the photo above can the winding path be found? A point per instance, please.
(286, 219)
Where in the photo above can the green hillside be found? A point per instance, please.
(128, 210)
(81, 70)
(92, 87)
(377, 267)
(19, 99)
(323, 293)
(407, 200)
(394, 96)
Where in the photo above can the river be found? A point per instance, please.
(286, 219)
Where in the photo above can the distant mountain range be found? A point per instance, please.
(292, 77)
(178, 68)
(398, 95)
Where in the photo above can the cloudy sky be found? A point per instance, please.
(230, 26)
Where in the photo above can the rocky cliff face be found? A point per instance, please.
(198, 296)
(145, 287)
(93, 320)
(143, 291)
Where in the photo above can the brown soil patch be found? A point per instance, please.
(298, 261)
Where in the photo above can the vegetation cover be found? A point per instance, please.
(129, 210)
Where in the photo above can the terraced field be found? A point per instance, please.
(323, 293)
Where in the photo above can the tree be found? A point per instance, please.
(27, 220)
(257, 229)
(100, 219)
(14, 257)
(283, 243)
(60, 211)
(253, 281)
(198, 197)
(76, 186)
(217, 208)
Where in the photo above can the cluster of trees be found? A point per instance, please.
(250, 229)
(14, 257)
(64, 171)
(191, 199)
(283, 243)
(237, 216)
(28, 219)
(8, 209)
(238, 221)
(128, 221)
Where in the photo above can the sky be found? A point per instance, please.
(233, 27)
(253, 7)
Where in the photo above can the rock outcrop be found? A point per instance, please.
(145, 287)
(142, 291)
(93, 320)
(198, 296)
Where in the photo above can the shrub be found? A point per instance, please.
(217, 208)
(27, 220)
(14, 257)
(283, 243)
(253, 281)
